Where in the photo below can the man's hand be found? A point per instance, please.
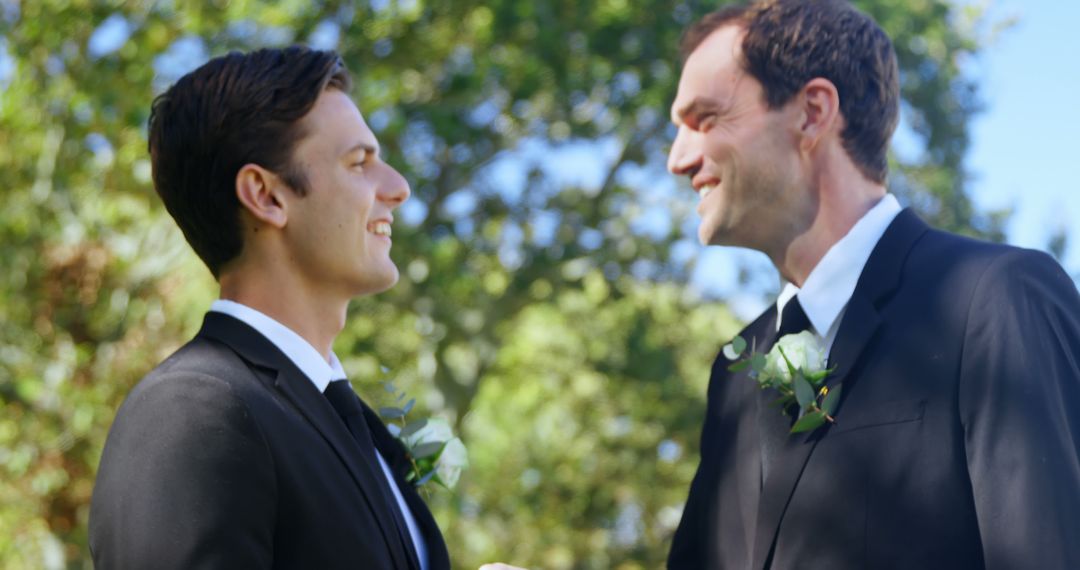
(499, 566)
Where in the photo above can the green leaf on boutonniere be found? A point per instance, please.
(818, 377)
(409, 406)
(809, 422)
(757, 362)
(394, 429)
(412, 427)
(832, 398)
(735, 348)
(804, 392)
(391, 413)
(787, 361)
(739, 366)
(427, 449)
(426, 478)
(780, 402)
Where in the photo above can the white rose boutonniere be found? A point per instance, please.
(794, 367)
(802, 351)
(435, 441)
(435, 454)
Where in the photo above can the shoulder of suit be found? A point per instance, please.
(205, 365)
(956, 252)
(1027, 272)
(989, 270)
(203, 355)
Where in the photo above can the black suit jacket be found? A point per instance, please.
(227, 456)
(957, 439)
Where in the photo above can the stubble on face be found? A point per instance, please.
(737, 151)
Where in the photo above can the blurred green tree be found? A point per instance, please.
(544, 304)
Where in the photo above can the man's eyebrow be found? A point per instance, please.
(366, 147)
(695, 107)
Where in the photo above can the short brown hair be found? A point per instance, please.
(234, 110)
(790, 42)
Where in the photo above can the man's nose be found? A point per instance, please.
(685, 156)
(394, 189)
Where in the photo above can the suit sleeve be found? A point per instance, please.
(186, 481)
(687, 545)
(692, 536)
(1019, 398)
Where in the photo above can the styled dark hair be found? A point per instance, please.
(790, 42)
(234, 110)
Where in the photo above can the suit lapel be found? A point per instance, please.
(760, 335)
(879, 278)
(290, 381)
(394, 453)
(860, 322)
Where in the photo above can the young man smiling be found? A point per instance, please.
(247, 448)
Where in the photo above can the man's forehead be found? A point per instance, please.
(720, 52)
(335, 120)
(711, 73)
(723, 42)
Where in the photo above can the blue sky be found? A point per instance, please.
(1025, 149)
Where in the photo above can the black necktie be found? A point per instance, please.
(793, 320)
(348, 406)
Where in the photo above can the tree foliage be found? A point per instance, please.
(543, 305)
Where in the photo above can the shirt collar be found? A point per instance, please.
(298, 350)
(831, 283)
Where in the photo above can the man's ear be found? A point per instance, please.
(259, 192)
(820, 106)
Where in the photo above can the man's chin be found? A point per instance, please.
(725, 240)
(704, 234)
(709, 235)
(374, 284)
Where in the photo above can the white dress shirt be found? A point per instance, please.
(321, 373)
(827, 290)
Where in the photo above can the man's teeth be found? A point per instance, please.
(381, 229)
(705, 190)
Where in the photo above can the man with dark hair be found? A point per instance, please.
(247, 448)
(954, 441)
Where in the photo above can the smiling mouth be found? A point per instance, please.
(705, 190)
(381, 229)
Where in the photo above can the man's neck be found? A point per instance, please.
(316, 317)
(841, 205)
